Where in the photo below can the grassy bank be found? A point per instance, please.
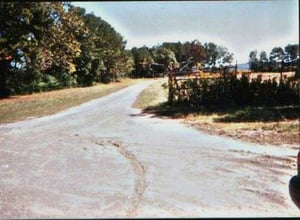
(153, 96)
(18, 108)
(260, 125)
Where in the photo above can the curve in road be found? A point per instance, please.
(104, 159)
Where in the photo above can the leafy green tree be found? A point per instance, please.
(291, 52)
(142, 60)
(63, 43)
(41, 37)
(198, 51)
(194, 50)
(64, 34)
(291, 57)
(177, 48)
(54, 44)
(103, 56)
(109, 45)
(212, 53)
(22, 26)
(164, 56)
(85, 67)
(224, 57)
(125, 63)
(276, 58)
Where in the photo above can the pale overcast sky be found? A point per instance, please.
(241, 26)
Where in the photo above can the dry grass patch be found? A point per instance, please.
(260, 125)
(18, 108)
(154, 95)
(276, 133)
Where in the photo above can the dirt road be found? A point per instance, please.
(104, 159)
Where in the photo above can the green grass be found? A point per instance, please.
(18, 108)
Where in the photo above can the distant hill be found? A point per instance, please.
(243, 66)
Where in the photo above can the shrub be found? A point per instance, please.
(232, 92)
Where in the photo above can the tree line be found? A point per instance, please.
(148, 61)
(53, 45)
(279, 59)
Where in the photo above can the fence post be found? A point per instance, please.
(171, 88)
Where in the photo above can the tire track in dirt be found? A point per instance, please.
(139, 170)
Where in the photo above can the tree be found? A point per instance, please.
(55, 45)
(224, 57)
(41, 37)
(62, 39)
(142, 60)
(276, 58)
(263, 61)
(125, 63)
(194, 50)
(279, 60)
(177, 48)
(22, 28)
(103, 51)
(291, 57)
(163, 55)
(109, 45)
(291, 52)
(253, 61)
(212, 54)
(64, 34)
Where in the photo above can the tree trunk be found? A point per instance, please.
(4, 91)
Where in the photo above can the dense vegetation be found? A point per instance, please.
(279, 60)
(232, 92)
(52, 45)
(222, 93)
(151, 61)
